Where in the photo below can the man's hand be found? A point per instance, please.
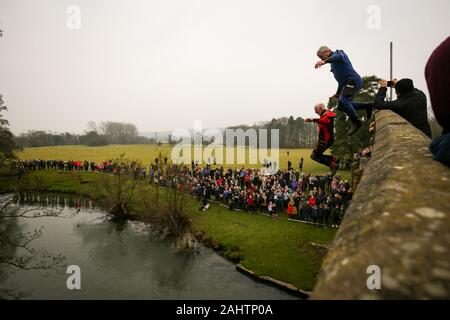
(372, 127)
(319, 64)
(383, 83)
(335, 96)
(308, 120)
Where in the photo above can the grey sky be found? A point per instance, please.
(162, 64)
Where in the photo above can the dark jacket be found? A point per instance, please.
(411, 106)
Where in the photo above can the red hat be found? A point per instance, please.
(437, 73)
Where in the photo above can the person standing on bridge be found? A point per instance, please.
(326, 138)
(411, 103)
(349, 84)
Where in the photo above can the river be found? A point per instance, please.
(124, 261)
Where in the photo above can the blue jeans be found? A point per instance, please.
(349, 90)
(440, 147)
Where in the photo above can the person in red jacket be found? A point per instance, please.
(326, 138)
(251, 202)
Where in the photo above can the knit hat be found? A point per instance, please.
(437, 74)
(404, 86)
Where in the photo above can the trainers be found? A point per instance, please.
(336, 168)
(355, 127)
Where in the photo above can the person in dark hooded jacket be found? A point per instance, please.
(411, 103)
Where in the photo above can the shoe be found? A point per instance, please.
(369, 112)
(336, 168)
(355, 127)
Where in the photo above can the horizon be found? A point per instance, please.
(164, 65)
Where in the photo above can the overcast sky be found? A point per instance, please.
(162, 64)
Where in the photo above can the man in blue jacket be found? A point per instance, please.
(349, 81)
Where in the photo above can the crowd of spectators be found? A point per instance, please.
(302, 196)
(314, 198)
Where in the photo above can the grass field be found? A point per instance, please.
(147, 154)
(280, 249)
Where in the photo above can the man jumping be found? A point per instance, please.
(349, 82)
(326, 138)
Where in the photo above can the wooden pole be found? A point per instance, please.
(391, 75)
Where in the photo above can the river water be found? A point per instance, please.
(121, 261)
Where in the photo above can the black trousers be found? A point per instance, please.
(319, 149)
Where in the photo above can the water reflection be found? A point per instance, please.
(56, 200)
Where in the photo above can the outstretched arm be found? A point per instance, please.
(319, 120)
(381, 104)
(337, 56)
(322, 120)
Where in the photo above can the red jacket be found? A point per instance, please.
(326, 126)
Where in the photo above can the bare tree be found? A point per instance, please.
(119, 189)
(17, 250)
(118, 132)
(91, 126)
(16, 247)
(169, 212)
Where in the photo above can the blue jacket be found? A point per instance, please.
(342, 69)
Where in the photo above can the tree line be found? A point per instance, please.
(293, 132)
(100, 134)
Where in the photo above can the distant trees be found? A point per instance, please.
(37, 138)
(93, 139)
(293, 132)
(118, 132)
(100, 134)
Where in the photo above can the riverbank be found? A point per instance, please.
(279, 249)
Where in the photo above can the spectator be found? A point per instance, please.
(411, 103)
(291, 210)
(272, 210)
(437, 73)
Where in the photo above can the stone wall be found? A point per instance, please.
(399, 220)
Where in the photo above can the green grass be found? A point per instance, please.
(146, 153)
(280, 249)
